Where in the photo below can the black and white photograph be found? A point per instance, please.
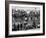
(25, 19)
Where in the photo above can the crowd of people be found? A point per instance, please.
(24, 20)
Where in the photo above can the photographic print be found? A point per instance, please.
(25, 19)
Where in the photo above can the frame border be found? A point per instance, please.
(7, 18)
